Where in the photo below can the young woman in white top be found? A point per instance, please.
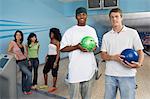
(52, 58)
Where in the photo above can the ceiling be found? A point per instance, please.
(137, 20)
(140, 20)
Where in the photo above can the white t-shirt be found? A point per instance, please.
(115, 43)
(82, 65)
(52, 49)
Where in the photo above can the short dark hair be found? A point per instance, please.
(20, 34)
(56, 32)
(116, 10)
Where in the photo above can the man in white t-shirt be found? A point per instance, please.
(118, 74)
(82, 64)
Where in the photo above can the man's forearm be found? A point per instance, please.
(106, 57)
(141, 57)
(69, 48)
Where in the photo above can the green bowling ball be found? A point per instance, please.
(88, 43)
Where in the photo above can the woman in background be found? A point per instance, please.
(53, 57)
(33, 50)
(17, 49)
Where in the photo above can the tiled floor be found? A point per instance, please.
(143, 80)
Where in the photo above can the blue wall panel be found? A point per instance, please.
(30, 16)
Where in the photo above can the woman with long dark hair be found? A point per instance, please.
(52, 58)
(17, 48)
(33, 50)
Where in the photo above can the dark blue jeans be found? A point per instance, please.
(26, 75)
(34, 65)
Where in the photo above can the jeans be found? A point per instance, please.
(126, 86)
(26, 75)
(34, 65)
(82, 88)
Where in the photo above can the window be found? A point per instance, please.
(102, 4)
(94, 4)
(110, 4)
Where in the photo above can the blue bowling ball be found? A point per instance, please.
(130, 55)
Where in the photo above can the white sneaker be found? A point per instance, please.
(34, 87)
